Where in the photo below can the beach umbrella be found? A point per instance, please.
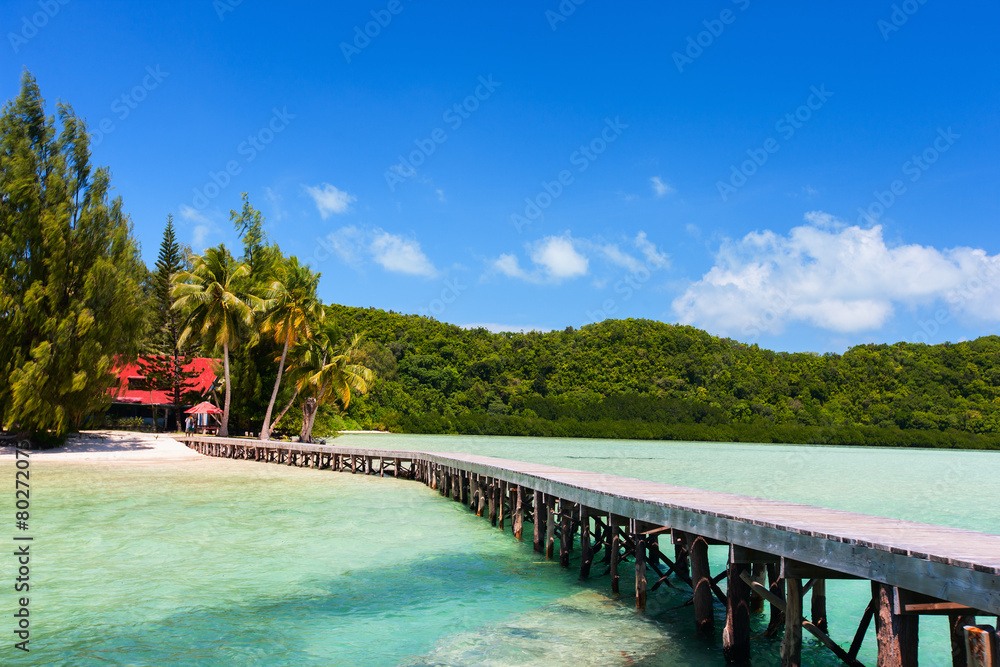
(204, 408)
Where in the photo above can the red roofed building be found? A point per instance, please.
(135, 398)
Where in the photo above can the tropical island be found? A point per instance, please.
(77, 302)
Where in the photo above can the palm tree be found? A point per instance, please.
(292, 311)
(338, 372)
(219, 309)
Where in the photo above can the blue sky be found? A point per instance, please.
(802, 176)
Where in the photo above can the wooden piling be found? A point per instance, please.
(550, 526)
(501, 493)
(493, 492)
(682, 561)
(817, 604)
(791, 643)
(736, 634)
(586, 552)
(956, 625)
(980, 646)
(759, 574)
(897, 634)
(517, 514)
(615, 523)
(538, 519)
(639, 540)
(701, 582)
(776, 585)
(483, 491)
(565, 532)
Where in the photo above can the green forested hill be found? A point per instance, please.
(647, 379)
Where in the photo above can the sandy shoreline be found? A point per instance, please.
(113, 446)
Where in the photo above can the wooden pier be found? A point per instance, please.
(778, 552)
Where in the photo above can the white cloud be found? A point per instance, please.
(329, 199)
(392, 252)
(510, 267)
(558, 258)
(349, 243)
(401, 255)
(660, 188)
(835, 277)
(202, 226)
(554, 258)
(654, 258)
(616, 256)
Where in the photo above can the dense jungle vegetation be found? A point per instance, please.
(647, 379)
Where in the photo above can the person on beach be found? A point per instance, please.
(189, 424)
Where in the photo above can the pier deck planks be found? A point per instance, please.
(952, 564)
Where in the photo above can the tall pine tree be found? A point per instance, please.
(71, 298)
(167, 322)
(164, 369)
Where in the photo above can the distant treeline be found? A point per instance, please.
(649, 380)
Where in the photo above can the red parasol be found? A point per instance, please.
(204, 408)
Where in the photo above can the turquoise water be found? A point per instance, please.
(218, 562)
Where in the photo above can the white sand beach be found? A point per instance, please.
(93, 446)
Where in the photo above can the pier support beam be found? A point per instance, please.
(759, 574)
(484, 491)
(538, 517)
(550, 526)
(517, 512)
(791, 643)
(736, 634)
(817, 604)
(897, 634)
(981, 646)
(639, 540)
(957, 623)
(777, 587)
(565, 531)
(493, 493)
(615, 524)
(586, 552)
(701, 582)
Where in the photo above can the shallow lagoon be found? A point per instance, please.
(227, 562)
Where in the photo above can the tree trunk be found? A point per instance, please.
(312, 421)
(282, 413)
(224, 427)
(307, 426)
(308, 411)
(265, 429)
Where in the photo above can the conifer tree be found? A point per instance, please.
(167, 322)
(71, 298)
